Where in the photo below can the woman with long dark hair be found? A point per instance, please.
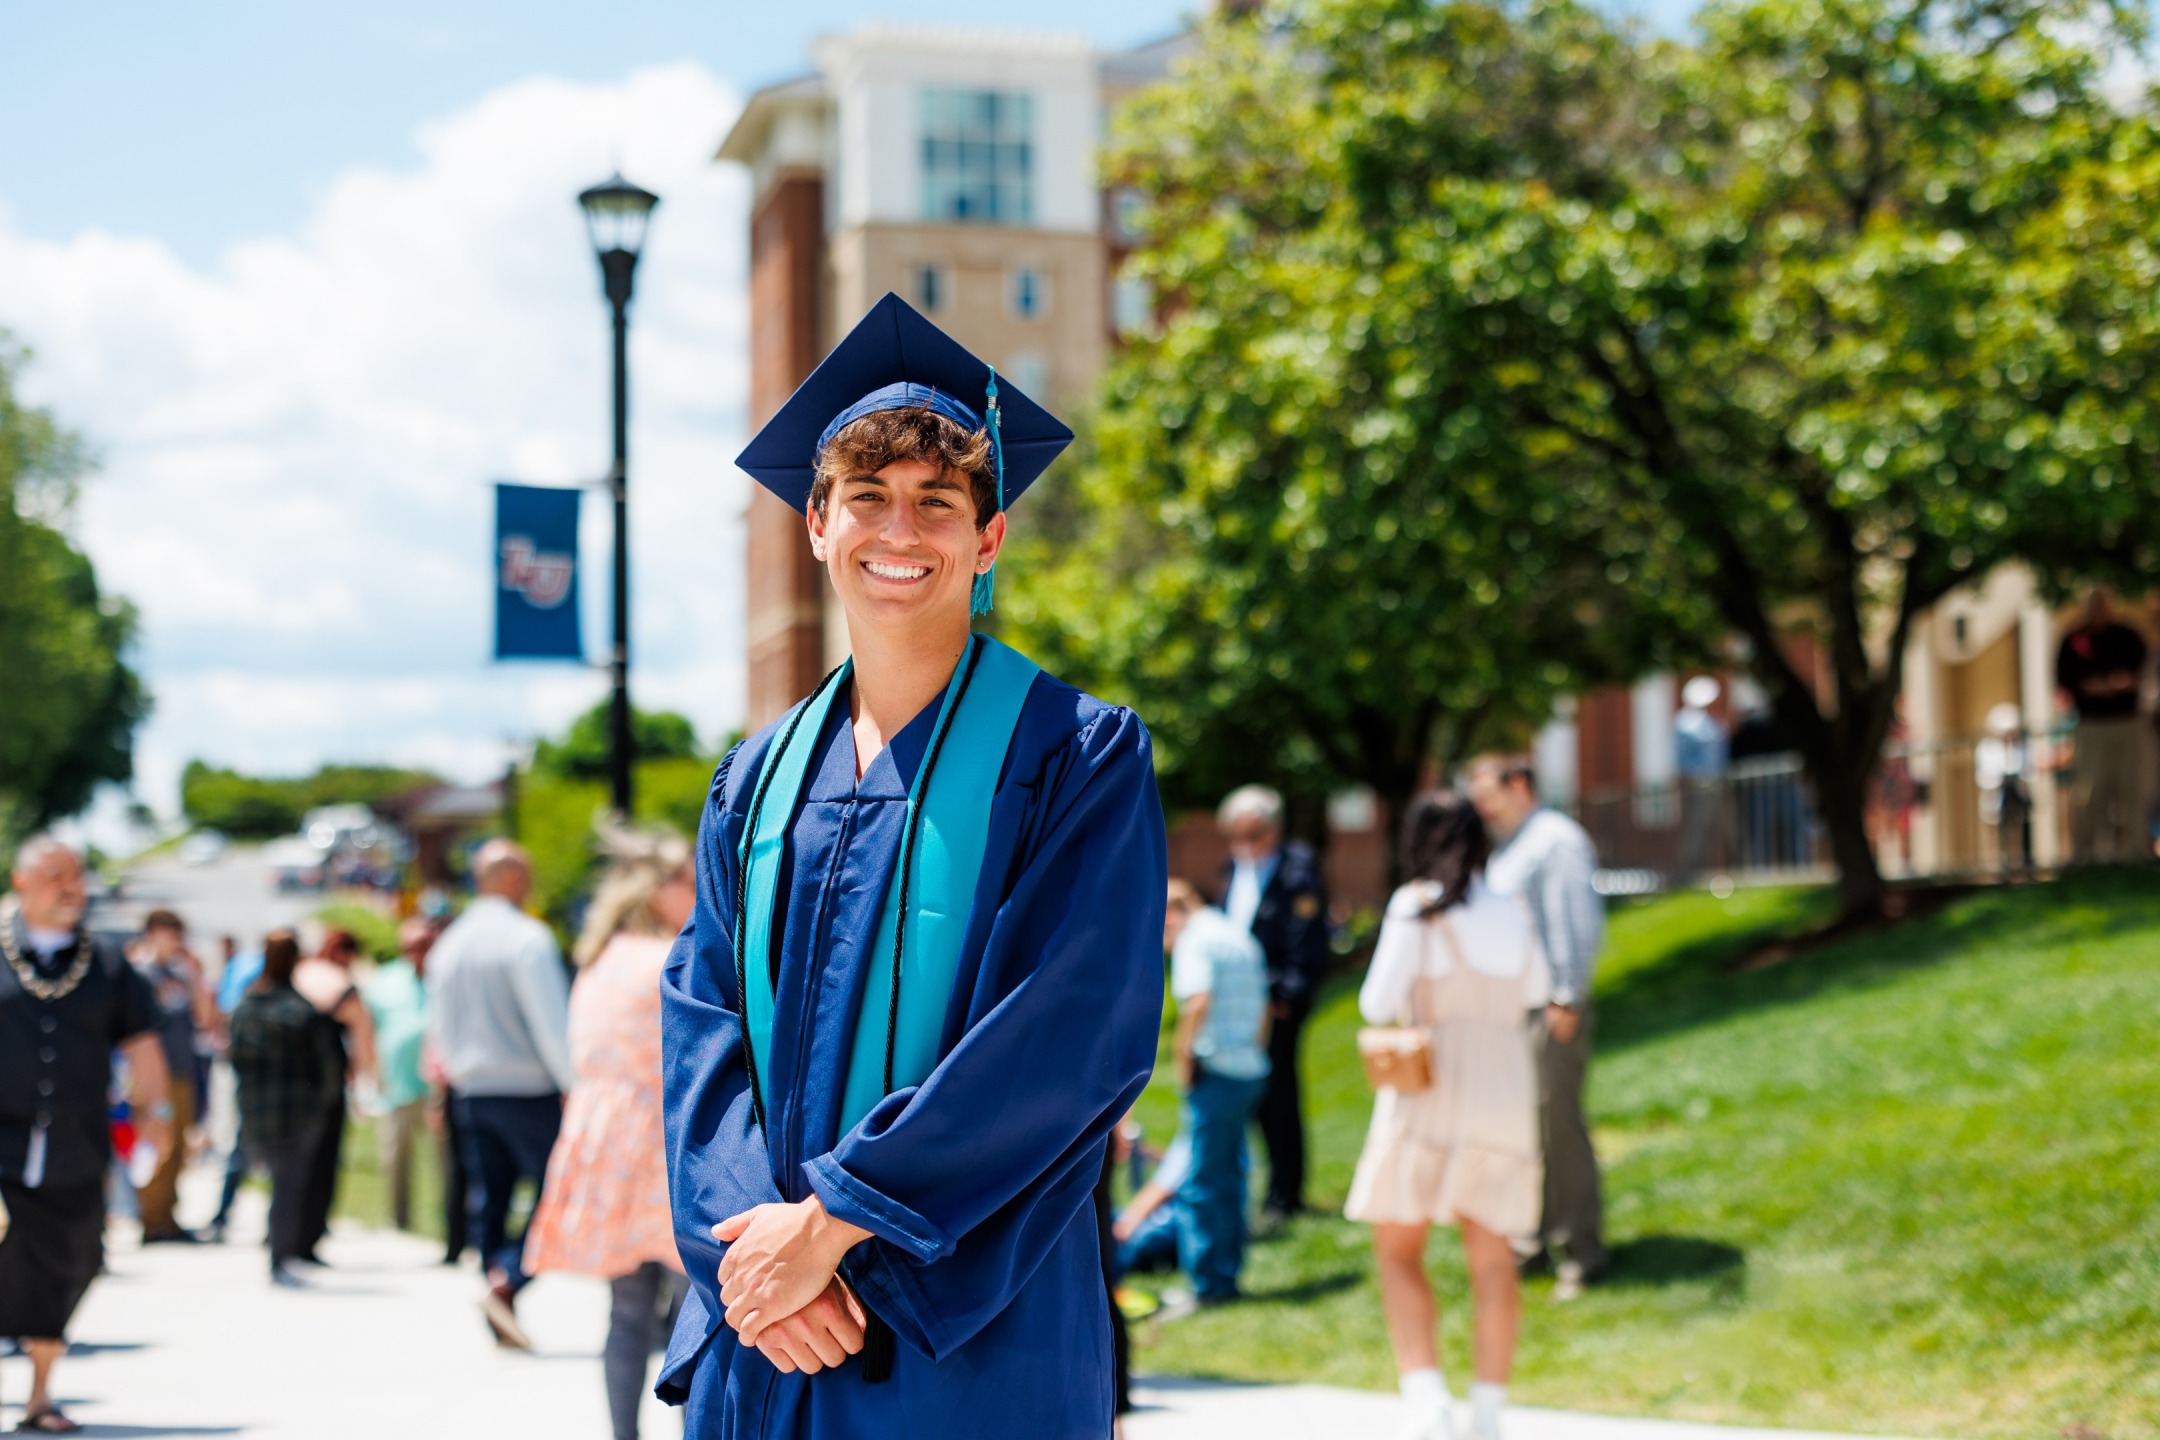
(1463, 964)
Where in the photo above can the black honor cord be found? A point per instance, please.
(742, 898)
(879, 1341)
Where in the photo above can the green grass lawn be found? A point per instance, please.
(1906, 1183)
(364, 1190)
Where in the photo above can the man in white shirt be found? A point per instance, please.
(1547, 859)
(498, 1018)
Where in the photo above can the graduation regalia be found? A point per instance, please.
(1023, 1028)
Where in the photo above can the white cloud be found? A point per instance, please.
(295, 448)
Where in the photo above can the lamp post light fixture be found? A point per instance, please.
(616, 213)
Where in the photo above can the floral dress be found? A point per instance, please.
(604, 1209)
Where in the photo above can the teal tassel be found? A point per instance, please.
(984, 594)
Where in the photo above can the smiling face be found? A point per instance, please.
(901, 545)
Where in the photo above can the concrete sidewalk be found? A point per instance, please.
(184, 1341)
(1174, 1409)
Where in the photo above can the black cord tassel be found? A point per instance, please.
(877, 1350)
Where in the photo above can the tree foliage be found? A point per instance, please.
(69, 702)
(1788, 330)
(582, 752)
(260, 808)
(1299, 539)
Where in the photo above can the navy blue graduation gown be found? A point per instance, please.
(976, 1185)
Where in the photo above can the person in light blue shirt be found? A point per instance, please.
(242, 969)
(397, 999)
(1218, 976)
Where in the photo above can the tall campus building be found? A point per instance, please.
(956, 168)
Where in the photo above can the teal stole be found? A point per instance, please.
(927, 902)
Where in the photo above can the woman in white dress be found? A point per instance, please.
(1464, 964)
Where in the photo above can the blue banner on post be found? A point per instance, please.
(536, 600)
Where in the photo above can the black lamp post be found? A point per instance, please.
(616, 213)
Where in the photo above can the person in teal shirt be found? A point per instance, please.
(397, 999)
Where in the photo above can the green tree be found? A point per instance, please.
(1298, 537)
(582, 752)
(69, 702)
(1796, 327)
(258, 808)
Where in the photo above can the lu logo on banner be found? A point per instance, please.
(536, 573)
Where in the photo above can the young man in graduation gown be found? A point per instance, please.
(924, 978)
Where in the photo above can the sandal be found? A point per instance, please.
(48, 1421)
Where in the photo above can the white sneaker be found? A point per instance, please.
(1425, 1423)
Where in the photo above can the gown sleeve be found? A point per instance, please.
(967, 1180)
(716, 1157)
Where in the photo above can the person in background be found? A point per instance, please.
(241, 970)
(1773, 815)
(1146, 1230)
(161, 954)
(604, 1210)
(1108, 1242)
(326, 980)
(1999, 769)
(498, 1019)
(397, 1005)
(67, 1002)
(1461, 962)
(1700, 754)
(450, 1156)
(1545, 859)
(1218, 976)
(1275, 890)
(2099, 667)
(288, 1066)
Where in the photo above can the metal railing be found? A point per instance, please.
(1967, 807)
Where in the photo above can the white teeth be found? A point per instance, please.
(896, 572)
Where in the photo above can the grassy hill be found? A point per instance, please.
(1906, 1183)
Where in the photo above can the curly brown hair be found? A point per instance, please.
(885, 437)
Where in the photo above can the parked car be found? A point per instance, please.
(204, 847)
(295, 862)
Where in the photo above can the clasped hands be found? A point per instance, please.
(780, 1282)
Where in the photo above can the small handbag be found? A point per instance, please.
(1399, 1057)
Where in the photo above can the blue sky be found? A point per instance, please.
(205, 123)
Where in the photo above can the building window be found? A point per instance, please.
(977, 157)
(1132, 305)
(1027, 293)
(1126, 205)
(933, 289)
(1030, 371)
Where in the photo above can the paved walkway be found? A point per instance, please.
(194, 1341)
